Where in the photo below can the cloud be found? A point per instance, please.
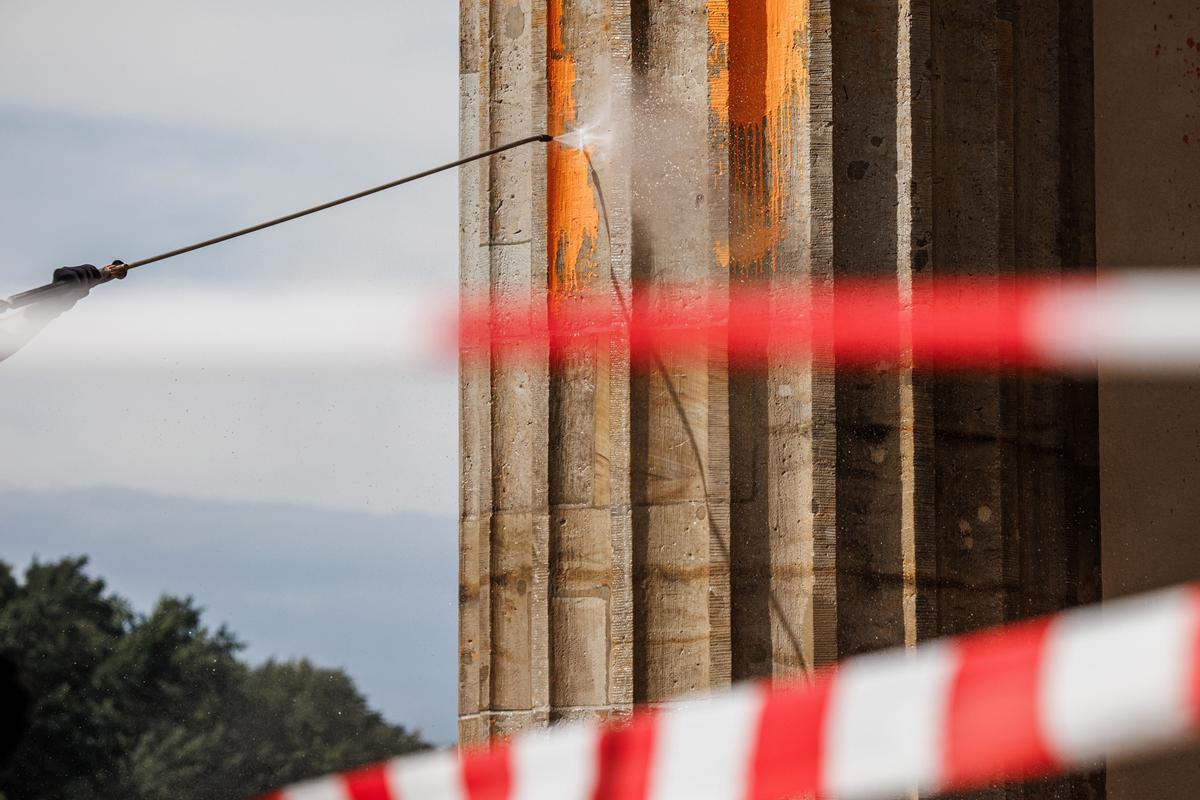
(370, 67)
(344, 399)
(359, 440)
(135, 126)
(78, 191)
(222, 114)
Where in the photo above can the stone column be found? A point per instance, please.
(778, 109)
(1148, 211)
(634, 532)
(590, 538)
(680, 558)
(505, 515)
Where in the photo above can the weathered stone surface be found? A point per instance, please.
(633, 533)
(1148, 217)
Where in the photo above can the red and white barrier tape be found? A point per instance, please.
(1126, 321)
(1031, 699)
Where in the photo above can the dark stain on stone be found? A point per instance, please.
(858, 170)
(872, 433)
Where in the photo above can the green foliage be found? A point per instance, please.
(158, 706)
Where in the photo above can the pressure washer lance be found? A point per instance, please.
(119, 269)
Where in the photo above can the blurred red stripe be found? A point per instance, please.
(626, 754)
(1195, 654)
(993, 728)
(369, 783)
(487, 773)
(953, 322)
(788, 754)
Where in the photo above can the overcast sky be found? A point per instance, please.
(134, 126)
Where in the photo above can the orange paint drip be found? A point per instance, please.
(573, 221)
(768, 90)
(721, 252)
(718, 58)
(718, 90)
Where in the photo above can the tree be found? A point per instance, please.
(158, 706)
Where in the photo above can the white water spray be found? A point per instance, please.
(589, 138)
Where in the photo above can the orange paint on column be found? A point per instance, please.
(721, 252)
(718, 58)
(748, 61)
(718, 91)
(573, 221)
(768, 88)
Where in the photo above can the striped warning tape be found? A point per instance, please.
(1131, 321)
(1126, 321)
(1031, 699)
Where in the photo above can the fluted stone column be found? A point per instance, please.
(505, 514)
(631, 533)
(588, 256)
(777, 106)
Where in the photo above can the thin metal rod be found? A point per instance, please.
(348, 198)
(25, 298)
